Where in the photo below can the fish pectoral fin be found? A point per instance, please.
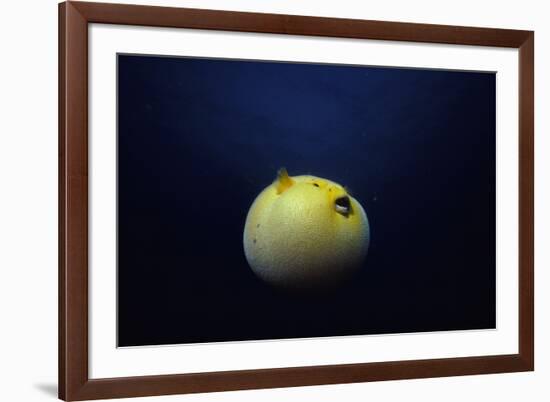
(283, 181)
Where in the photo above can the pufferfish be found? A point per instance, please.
(305, 233)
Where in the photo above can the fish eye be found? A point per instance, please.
(342, 205)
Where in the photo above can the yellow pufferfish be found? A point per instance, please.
(305, 232)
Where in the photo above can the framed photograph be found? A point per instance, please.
(259, 200)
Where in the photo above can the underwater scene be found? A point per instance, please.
(270, 200)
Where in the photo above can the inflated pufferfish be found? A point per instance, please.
(305, 232)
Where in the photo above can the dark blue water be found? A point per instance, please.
(198, 139)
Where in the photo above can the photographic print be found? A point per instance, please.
(270, 200)
(251, 200)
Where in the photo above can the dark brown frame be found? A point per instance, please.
(74, 382)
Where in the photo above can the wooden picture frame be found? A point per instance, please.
(74, 381)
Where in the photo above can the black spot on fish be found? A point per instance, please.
(315, 184)
(254, 241)
(258, 225)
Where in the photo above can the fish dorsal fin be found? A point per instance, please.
(283, 181)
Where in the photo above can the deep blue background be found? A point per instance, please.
(198, 139)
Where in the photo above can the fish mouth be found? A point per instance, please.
(343, 205)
